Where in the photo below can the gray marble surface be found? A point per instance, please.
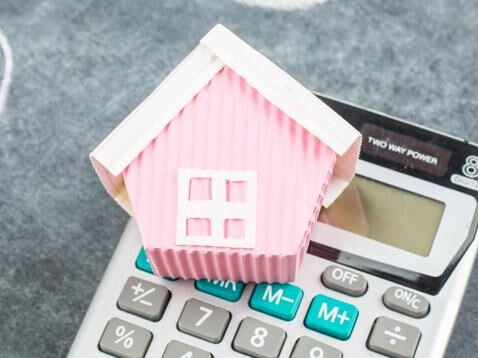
(82, 66)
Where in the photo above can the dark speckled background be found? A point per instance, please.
(82, 66)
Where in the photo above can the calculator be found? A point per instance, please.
(384, 274)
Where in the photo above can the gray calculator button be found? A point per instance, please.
(144, 299)
(258, 339)
(203, 320)
(176, 349)
(306, 347)
(402, 300)
(345, 281)
(393, 338)
(125, 340)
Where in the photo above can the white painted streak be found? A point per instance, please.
(7, 72)
(283, 4)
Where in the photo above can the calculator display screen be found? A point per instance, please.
(387, 214)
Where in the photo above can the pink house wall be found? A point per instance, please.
(229, 125)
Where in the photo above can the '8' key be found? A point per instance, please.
(258, 339)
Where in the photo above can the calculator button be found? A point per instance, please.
(278, 299)
(176, 349)
(331, 317)
(144, 299)
(345, 281)
(228, 290)
(258, 339)
(306, 347)
(125, 340)
(203, 320)
(402, 300)
(142, 262)
(393, 338)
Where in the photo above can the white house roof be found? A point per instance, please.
(219, 48)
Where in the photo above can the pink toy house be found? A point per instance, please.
(226, 164)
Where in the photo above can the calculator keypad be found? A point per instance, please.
(393, 338)
(258, 339)
(203, 320)
(144, 299)
(176, 349)
(125, 340)
(308, 347)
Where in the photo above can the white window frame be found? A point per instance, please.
(218, 209)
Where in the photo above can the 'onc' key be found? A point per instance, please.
(405, 301)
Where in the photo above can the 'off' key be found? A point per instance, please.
(345, 281)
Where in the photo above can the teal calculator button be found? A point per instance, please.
(280, 300)
(142, 263)
(331, 317)
(228, 290)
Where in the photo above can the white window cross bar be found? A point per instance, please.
(218, 209)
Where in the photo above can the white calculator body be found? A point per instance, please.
(384, 276)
